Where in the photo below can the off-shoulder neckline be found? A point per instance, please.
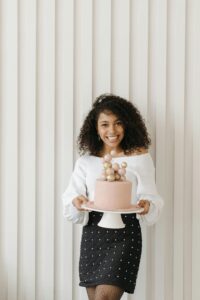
(125, 156)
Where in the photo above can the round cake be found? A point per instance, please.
(113, 191)
(113, 195)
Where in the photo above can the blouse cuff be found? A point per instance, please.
(71, 213)
(156, 205)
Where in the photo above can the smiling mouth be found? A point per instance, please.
(112, 138)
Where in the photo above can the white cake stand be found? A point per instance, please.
(112, 219)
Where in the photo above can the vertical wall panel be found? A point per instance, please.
(138, 90)
(55, 58)
(45, 150)
(83, 59)
(64, 126)
(139, 38)
(169, 169)
(120, 47)
(177, 79)
(188, 159)
(101, 47)
(9, 147)
(194, 96)
(83, 27)
(157, 94)
(27, 149)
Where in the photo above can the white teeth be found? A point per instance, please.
(112, 138)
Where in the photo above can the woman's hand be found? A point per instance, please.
(144, 204)
(79, 201)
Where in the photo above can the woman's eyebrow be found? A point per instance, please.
(103, 121)
(108, 121)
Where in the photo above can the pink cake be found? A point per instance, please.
(113, 195)
(113, 191)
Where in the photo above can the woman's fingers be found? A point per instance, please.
(79, 201)
(144, 204)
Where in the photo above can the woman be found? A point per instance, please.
(109, 258)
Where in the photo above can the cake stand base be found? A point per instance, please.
(110, 220)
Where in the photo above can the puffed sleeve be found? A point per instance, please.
(76, 187)
(147, 190)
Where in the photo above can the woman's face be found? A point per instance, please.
(110, 130)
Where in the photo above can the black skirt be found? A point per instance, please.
(110, 256)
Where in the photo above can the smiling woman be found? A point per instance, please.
(110, 258)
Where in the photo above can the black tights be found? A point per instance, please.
(104, 292)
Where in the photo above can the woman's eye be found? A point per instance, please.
(119, 123)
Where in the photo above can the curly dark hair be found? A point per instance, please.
(135, 132)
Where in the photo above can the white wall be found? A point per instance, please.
(55, 58)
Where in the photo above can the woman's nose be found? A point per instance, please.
(112, 128)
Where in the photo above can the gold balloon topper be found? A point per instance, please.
(113, 172)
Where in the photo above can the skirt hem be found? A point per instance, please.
(116, 283)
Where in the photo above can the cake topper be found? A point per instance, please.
(113, 172)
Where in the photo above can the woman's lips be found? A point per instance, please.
(112, 138)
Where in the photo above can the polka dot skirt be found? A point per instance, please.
(110, 256)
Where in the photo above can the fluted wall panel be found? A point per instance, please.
(9, 149)
(26, 267)
(64, 145)
(56, 57)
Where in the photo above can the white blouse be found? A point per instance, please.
(140, 171)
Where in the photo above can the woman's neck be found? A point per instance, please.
(118, 152)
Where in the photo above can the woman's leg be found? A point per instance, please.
(91, 292)
(108, 292)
